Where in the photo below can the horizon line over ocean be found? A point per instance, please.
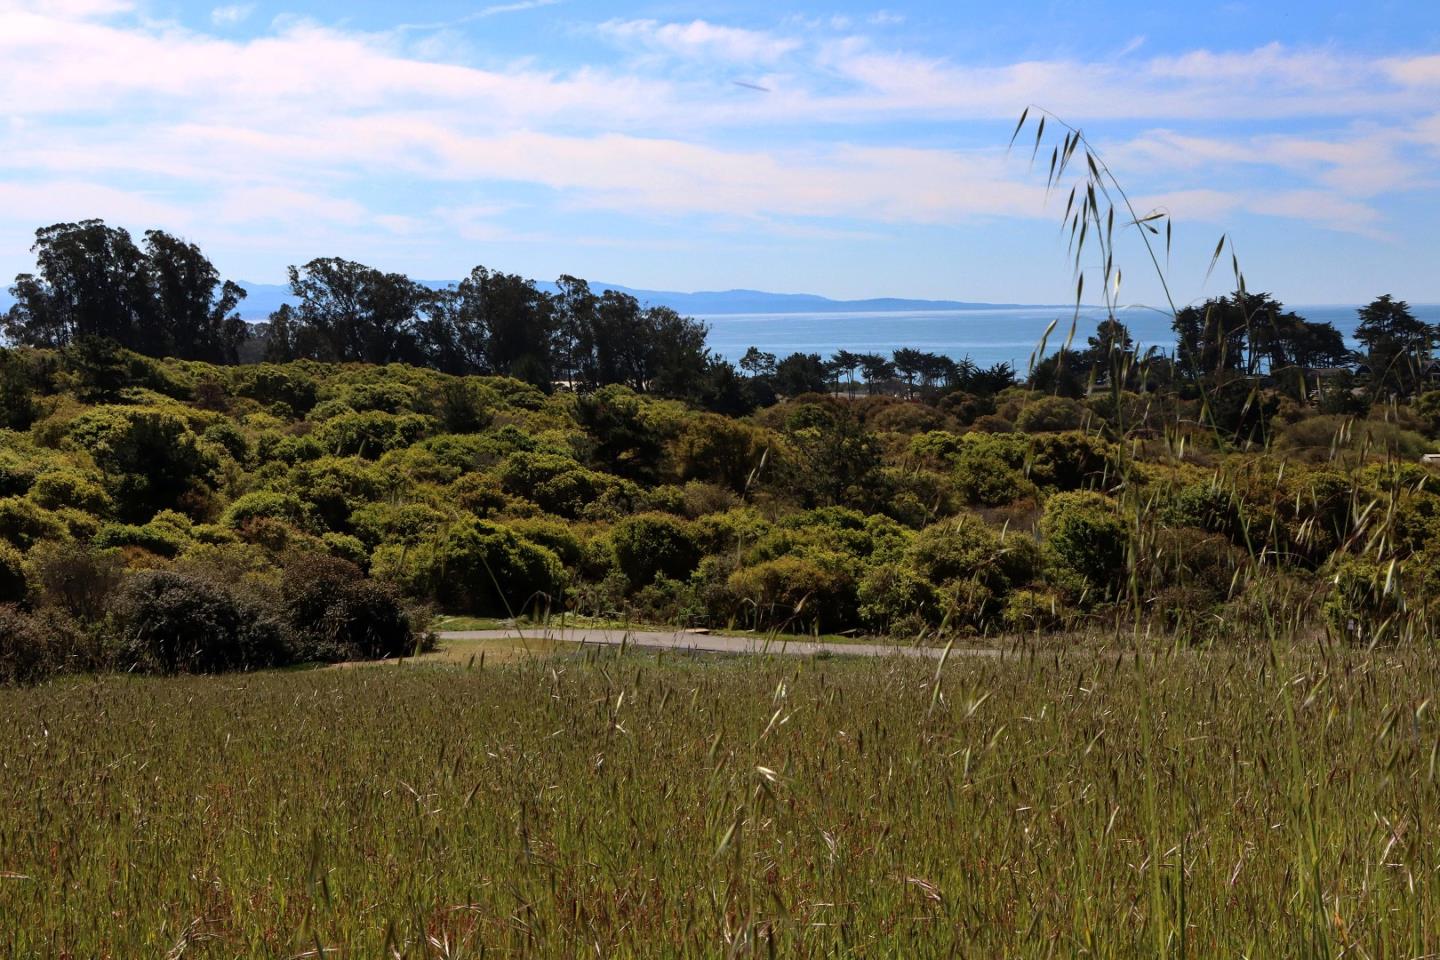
(987, 335)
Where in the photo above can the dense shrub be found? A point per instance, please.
(1050, 415)
(1086, 536)
(18, 469)
(12, 574)
(149, 456)
(229, 438)
(66, 488)
(334, 487)
(990, 471)
(475, 566)
(817, 512)
(76, 578)
(1364, 602)
(335, 613)
(266, 503)
(720, 450)
(558, 484)
(972, 568)
(651, 545)
(23, 523)
(28, 651)
(559, 538)
(270, 384)
(908, 418)
(371, 433)
(895, 598)
(1029, 611)
(403, 523)
(172, 623)
(478, 493)
(159, 539)
(797, 594)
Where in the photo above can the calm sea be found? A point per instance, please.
(986, 336)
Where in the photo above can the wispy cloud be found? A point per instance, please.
(231, 14)
(495, 10)
(700, 38)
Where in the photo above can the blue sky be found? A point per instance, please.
(845, 148)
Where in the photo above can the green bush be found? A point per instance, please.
(558, 484)
(170, 623)
(334, 487)
(266, 503)
(275, 447)
(1364, 602)
(964, 548)
(559, 538)
(797, 594)
(23, 523)
(384, 396)
(1029, 611)
(371, 433)
(989, 471)
(895, 598)
(720, 450)
(268, 384)
(12, 575)
(76, 578)
(347, 548)
(67, 488)
(479, 567)
(159, 539)
(18, 470)
(228, 437)
(654, 544)
(1071, 461)
(149, 456)
(27, 649)
(478, 493)
(1050, 415)
(404, 523)
(336, 614)
(1086, 536)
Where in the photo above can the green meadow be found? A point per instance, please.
(1105, 803)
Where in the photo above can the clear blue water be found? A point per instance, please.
(986, 336)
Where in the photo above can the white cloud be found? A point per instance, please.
(30, 204)
(700, 38)
(231, 14)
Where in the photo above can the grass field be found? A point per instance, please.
(1192, 805)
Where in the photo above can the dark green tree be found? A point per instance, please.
(192, 308)
(907, 364)
(513, 319)
(801, 373)
(348, 312)
(1396, 345)
(875, 369)
(757, 363)
(91, 280)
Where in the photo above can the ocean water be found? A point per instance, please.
(985, 335)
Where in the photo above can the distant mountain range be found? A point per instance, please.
(265, 298)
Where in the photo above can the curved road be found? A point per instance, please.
(711, 642)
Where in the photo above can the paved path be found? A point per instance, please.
(712, 642)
